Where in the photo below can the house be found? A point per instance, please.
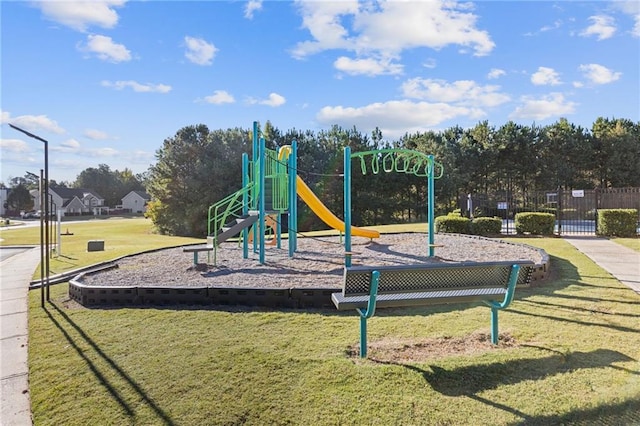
(4, 194)
(136, 201)
(74, 202)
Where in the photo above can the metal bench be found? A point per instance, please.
(368, 287)
(195, 250)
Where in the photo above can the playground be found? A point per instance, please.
(296, 273)
(319, 262)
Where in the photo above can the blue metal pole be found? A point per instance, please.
(291, 176)
(256, 168)
(371, 310)
(294, 198)
(363, 336)
(261, 219)
(430, 205)
(347, 207)
(494, 326)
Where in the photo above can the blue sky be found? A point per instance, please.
(105, 82)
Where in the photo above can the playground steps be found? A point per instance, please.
(232, 229)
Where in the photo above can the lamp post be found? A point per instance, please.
(44, 225)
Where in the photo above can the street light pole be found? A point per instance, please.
(44, 196)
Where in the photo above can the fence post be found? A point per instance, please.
(596, 193)
(559, 211)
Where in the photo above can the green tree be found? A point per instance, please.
(19, 198)
(111, 185)
(566, 153)
(102, 180)
(194, 169)
(616, 146)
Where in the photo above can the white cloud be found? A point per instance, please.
(496, 73)
(251, 7)
(79, 15)
(274, 100)
(97, 135)
(632, 9)
(430, 63)
(105, 49)
(464, 92)
(199, 51)
(598, 74)
(556, 24)
(545, 77)
(220, 97)
(137, 87)
(602, 26)
(33, 123)
(394, 118)
(385, 29)
(71, 143)
(70, 146)
(14, 145)
(551, 105)
(103, 152)
(369, 66)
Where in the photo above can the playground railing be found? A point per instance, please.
(227, 209)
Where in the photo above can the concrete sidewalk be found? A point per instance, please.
(16, 269)
(621, 262)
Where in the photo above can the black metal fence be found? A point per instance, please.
(575, 210)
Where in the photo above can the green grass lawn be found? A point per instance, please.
(572, 358)
(632, 243)
(121, 236)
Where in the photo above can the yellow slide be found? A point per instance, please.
(325, 214)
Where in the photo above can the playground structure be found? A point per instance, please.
(271, 185)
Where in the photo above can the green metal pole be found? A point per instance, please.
(494, 326)
(371, 310)
(347, 208)
(256, 169)
(430, 205)
(245, 204)
(261, 220)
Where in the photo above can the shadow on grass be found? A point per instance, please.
(111, 388)
(572, 321)
(471, 380)
(586, 310)
(624, 413)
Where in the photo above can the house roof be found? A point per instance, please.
(141, 194)
(68, 193)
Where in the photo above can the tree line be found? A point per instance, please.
(197, 167)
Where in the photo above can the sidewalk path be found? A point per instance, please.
(17, 266)
(621, 262)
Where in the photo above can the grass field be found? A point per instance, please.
(569, 355)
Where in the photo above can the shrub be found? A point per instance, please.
(452, 223)
(486, 226)
(535, 223)
(617, 222)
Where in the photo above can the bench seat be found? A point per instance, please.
(366, 288)
(197, 249)
(399, 300)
